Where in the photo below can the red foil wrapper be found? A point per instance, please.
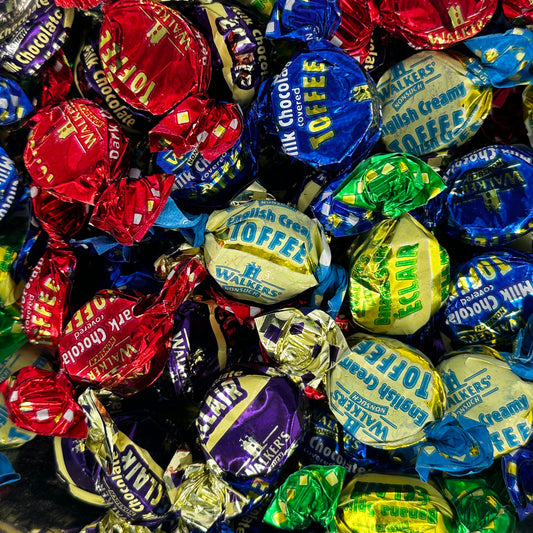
(80, 4)
(437, 24)
(74, 150)
(46, 296)
(358, 20)
(57, 80)
(152, 56)
(120, 341)
(198, 124)
(128, 208)
(518, 10)
(43, 401)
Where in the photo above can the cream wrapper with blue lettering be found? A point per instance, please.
(433, 100)
(384, 392)
(264, 251)
(481, 386)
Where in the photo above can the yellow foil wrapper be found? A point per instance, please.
(430, 101)
(10, 291)
(384, 392)
(481, 386)
(371, 503)
(264, 251)
(12, 436)
(399, 277)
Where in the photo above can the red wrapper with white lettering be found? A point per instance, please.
(152, 56)
(435, 25)
(43, 401)
(128, 208)
(74, 150)
(120, 341)
(201, 124)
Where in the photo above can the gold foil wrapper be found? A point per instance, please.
(483, 387)
(370, 503)
(384, 392)
(399, 277)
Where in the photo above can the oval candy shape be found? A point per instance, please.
(251, 421)
(431, 101)
(384, 392)
(152, 57)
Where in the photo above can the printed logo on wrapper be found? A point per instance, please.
(263, 251)
(250, 423)
(384, 392)
(430, 101)
(481, 386)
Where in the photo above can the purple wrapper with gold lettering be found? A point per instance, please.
(251, 420)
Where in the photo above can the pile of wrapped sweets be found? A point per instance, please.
(266, 265)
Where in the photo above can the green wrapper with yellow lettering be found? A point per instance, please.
(391, 184)
(399, 277)
(370, 503)
(307, 496)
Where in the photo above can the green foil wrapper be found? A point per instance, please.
(307, 496)
(391, 184)
(478, 507)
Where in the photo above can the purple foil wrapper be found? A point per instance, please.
(251, 420)
(36, 41)
(14, 13)
(203, 344)
(237, 48)
(92, 83)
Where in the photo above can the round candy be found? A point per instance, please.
(490, 199)
(399, 277)
(94, 143)
(481, 386)
(490, 299)
(325, 108)
(384, 392)
(431, 101)
(263, 251)
(435, 24)
(152, 56)
(251, 421)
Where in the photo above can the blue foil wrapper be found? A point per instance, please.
(324, 108)
(521, 358)
(491, 297)
(457, 445)
(9, 183)
(302, 20)
(14, 104)
(518, 475)
(491, 194)
(7, 474)
(505, 57)
(203, 185)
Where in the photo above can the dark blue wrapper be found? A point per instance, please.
(302, 20)
(14, 104)
(518, 475)
(491, 194)
(203, 185)
(324, 108)
(9, 183)
(491, 297)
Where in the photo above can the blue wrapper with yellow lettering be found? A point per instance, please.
(518, 475)
(207, 185)
(491, 195)
(490, 299)
(324, 108)
(14, 104)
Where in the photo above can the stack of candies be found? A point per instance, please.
(266, 265)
